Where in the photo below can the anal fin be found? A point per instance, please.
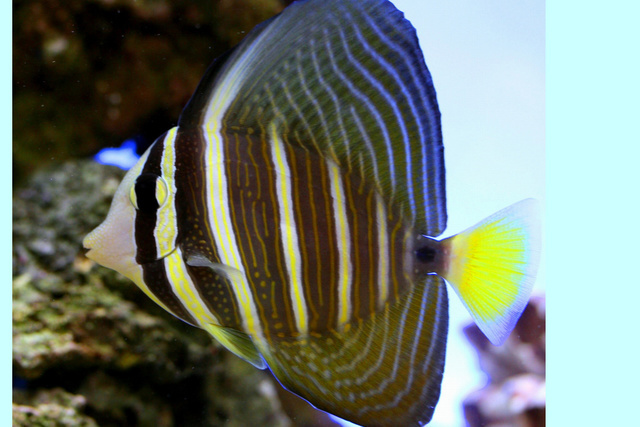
(384, 370)
(238, 343)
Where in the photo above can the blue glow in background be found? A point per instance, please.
(125, 156)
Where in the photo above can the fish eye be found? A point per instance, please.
(149, 192)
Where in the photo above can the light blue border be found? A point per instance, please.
(6, 209)
(593, 214)
(593, 217)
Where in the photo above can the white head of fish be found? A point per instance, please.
(112, 243)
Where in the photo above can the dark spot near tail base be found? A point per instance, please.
(426, 254)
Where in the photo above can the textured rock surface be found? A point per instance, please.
(89, 348)
(91, 73)
(515, 394)
(52, 408)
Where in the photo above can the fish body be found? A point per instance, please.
(292, 215)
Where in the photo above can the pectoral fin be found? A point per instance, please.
(230, 273)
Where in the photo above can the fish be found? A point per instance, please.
(294, 214)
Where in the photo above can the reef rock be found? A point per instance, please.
(89, 348)
(52, 408)
(515, 393)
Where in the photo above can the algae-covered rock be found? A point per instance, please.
(53, 213)
(87, 332)
(51, 408)
(57, 325)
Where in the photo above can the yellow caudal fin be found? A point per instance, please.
(492, 267)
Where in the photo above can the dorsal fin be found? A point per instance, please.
(345, 78)
(192, 113)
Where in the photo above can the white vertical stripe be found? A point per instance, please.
(343, 239)
(227, 88)
(166, 228)
(132, 270)
(222, 228)
(289, 231)
(311, 98)
(371, 107)
(383, 252)
(367, 142)
(184, 288)
(219, 213)
(392, 102)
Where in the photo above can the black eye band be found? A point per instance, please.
(145, 189)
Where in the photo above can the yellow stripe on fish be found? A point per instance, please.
(288, 230)
(344, 244)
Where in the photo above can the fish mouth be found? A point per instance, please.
(85, 247)
(86, 251)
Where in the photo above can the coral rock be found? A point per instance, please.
(515, 394)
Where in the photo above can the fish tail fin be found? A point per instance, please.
(492, 267)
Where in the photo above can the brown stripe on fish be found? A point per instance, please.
(300, 189)
(253, 230)
(303, 185)
(316, 204)
(155, 277)
(194, 231)
(316, 235)
(257, 230)
(235, 246)
(145, 221)
(361, 216)
(327, 257)
(369, 238)
(282, 316)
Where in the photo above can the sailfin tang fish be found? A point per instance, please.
(293, 211)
